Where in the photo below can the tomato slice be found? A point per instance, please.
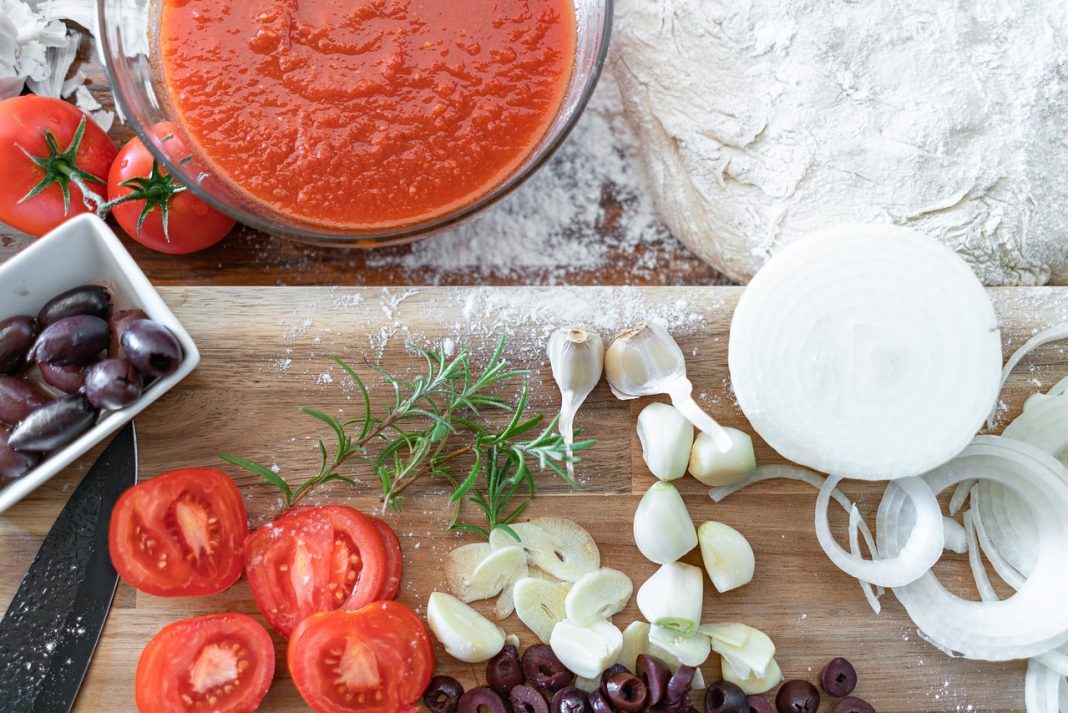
(222, 663)
(179, 534)
(313, 560)
(394, 562)
(375, 660)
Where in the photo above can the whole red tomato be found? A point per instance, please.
(49, 151)
(156, 210)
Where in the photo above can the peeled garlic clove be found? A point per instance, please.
(753, 684)
(562, 548)
(713, 466)
(540, 605)
(576, 356)
(645, 361)
(727, 555)
(598, 595)
(460, 565)
(666, 438)
(635, 641)
(690, 649)
(750, 656)
(672, 597)
(466, 635)
(586, 650)
(663, 530)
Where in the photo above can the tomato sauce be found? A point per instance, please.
(366, 114)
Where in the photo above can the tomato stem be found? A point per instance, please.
(157, 190)
(61, 169)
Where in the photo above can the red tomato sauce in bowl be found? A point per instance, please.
(366, 114)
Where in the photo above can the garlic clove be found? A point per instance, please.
(576, 356)
(586, 650)
(689, 649)
(460, 565)
(663, 530)
(563, 548)
(645, 361)
(511, 640)
(667, 438)
(466, 635)
(713, 466)
(727, 555)
(540, 605)
(753, 685)
(499, 569)
(727, 634)
(635, 641)
(598, 595)
(749, 657)
(672, 597)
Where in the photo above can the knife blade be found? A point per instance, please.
(53, 623)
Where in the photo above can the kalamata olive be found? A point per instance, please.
(725, 697)
(88, 299)
(67, 379)
(797, 696)
(599, 702)
(759, 704)
(852, 704)
(543, 670)
(55, 424)
(18, 399)
(503, 671)
(838, 677)
(569, 700)
(655, 674)
(609, 672)
(16, 338)
(13, 464)
(525, 699)
(677, 696)
(118, 321)
(443, 694)
(71, 340)
(113, 384)
(625, 691)
(482, 697)
(151, 348)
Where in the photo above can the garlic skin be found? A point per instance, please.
(466, 635)
(727, 555)
(667, 439)
(688, 649)
(645, 361)
(713, 466)
(672, 597)
(587, 650)
(663, 530)
(576, 356)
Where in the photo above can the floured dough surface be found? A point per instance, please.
(764, 120)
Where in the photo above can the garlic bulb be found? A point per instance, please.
(645, 361)
(663, 530)
(667, 439)
(672, 597)
(576, 356)
(713, 466)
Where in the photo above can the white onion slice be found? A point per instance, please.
(1041, 688)
(975, 561)
(1056, 660)
(915, 558)
(870, 593)
(1032, 621)
(956, 539)
(1015, 571)
(1044, 425)
(1050, 334)
(838, 352)
(960, 494)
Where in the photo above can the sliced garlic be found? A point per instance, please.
(753, 684)
(511, 640)
(672, 597)
(663, 530)
(460, 565)
(690, 649)
(519, 570)
(635, 641)
(466, 635)
(749, 650)
(727, 555)
(598, 595)
(587, 650)
(666, 437)
(540, 605)
(713, 466)
(576, 356)
(498, 570)
(565, 551)
(646, 361)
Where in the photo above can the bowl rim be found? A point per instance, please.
(392, 237)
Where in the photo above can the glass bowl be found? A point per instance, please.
(127, 43)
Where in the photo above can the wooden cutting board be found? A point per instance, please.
(265, 354)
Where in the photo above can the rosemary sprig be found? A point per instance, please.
(435, 419)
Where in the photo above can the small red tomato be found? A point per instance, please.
(155, 209)
(49, 150)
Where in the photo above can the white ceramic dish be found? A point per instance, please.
(84, 251)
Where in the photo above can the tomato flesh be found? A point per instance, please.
(394, 562)
(179, 534)
(313, 560)
(375, 660)
(222, 663)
